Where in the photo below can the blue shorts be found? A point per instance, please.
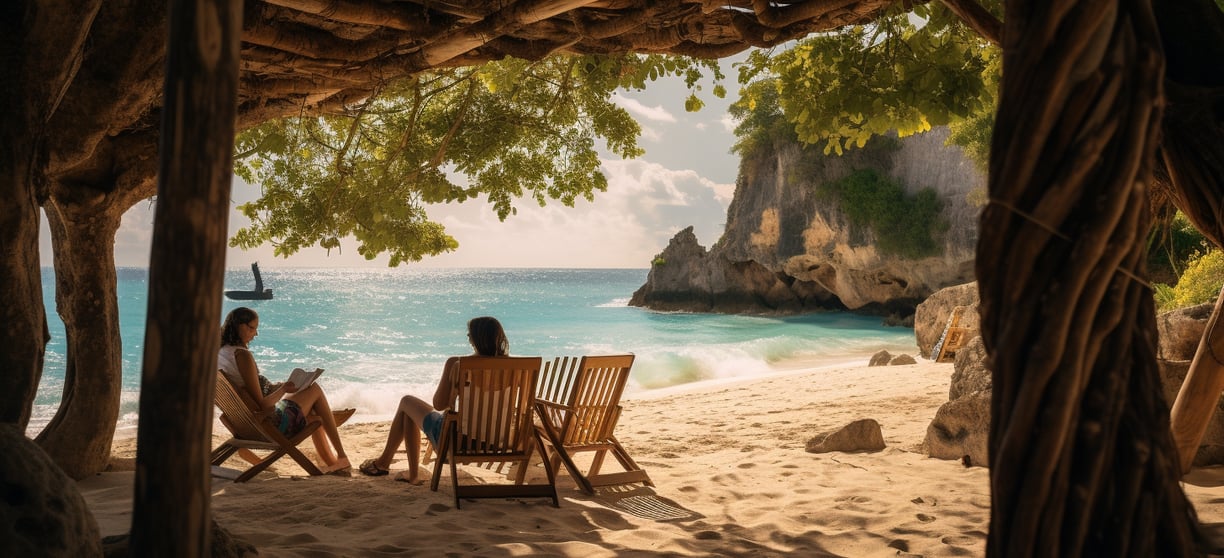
(289, 417)
(432, 426)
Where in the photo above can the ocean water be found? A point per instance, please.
(384, 333)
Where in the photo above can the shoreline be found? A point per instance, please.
(781, 368)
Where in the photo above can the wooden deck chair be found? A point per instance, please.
(579, 405)
(256, 430)
(341, 416)
(489, 422)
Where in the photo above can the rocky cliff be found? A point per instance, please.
(788, 249)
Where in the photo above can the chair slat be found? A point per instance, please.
(586, 420)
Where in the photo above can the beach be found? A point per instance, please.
(731, 478)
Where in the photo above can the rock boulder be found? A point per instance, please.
(880, 359)
(1180, 331)
(41, 511)
(902, 360)
(961, 426)
(931, 316)
(860, 435)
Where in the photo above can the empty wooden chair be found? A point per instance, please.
(489, 422)
(579, 406)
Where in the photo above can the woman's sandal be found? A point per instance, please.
(370, 468)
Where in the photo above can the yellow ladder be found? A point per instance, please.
(953, 338)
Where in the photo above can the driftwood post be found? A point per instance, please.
(1082, 460)
(171, 511)
(1200, 392)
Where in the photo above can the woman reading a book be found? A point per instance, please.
(487, 339)
(289, 403)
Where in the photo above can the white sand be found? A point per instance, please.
(731, 474)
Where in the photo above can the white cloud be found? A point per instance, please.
(646, 203)
(728, 122)
(651, 134)
(134, 239)
(656, 113)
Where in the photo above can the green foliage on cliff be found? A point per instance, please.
(906, 72)
(503, 131)
(1172, 244)
(762, 125)
(1200, 283)
(904, 225)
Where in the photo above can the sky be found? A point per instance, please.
(686, 178)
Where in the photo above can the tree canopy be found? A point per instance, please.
(904, 72)
(504, 130)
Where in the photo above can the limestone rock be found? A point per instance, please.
(961, 428)
(931, 316)
(902, 359)
(880, 359)
(860, 435)
(787, 249)
(41, 511)
(970, 374)
(962, 425)
(1180, 331)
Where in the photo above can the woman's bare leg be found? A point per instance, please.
(313, 400)
(413, 411)
(323, 448)
(383, 461)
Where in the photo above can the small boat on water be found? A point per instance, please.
(259, 293)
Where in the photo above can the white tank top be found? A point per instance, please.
(227, 362)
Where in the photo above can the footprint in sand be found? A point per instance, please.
(855, 498)
(959, 540)
(925, 518)
(707, 535)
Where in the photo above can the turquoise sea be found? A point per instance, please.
(383, 333)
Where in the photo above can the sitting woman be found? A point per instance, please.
(487, 339)
(290, 404)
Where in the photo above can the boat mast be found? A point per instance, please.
(258, 280)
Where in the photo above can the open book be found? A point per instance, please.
(302, 379)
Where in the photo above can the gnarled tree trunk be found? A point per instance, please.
(41, 44)
(84, 217)
(79, 436)
(1082, 459)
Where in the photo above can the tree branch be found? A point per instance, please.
(976, 17)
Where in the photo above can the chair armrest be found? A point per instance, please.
(552, 406)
